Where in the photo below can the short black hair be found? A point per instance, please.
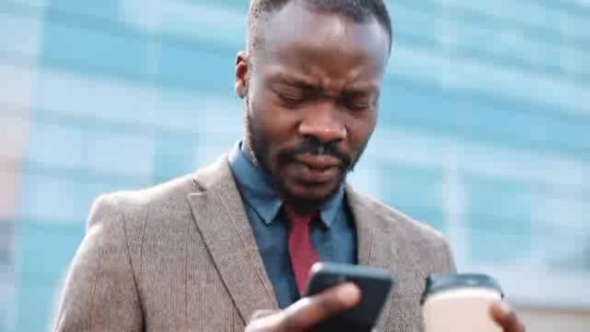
(358, 11)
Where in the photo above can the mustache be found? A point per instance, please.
(315, 147)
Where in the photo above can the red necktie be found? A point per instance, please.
(303, 254)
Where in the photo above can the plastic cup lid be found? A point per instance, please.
(444, 282)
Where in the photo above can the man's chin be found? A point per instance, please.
(310, 195)
(298, 187)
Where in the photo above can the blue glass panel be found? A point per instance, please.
(499, 215)
(106, 9)
(174, 155)
(38, 300)
(46, 250)
(103, 49)
(415, 191)
(56, 145)
(484, 119)
(122, 153)
(51, 197)
(192, 67)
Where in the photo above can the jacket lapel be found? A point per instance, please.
(221, 218)
(376, 239)
(383, 243)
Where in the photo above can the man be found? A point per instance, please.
(208, 251)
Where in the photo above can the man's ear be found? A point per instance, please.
(242, 74)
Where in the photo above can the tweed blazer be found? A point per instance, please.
(182, 256)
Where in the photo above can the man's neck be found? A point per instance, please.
(246, 147)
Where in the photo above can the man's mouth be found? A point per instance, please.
(319, 162)
(317, 170)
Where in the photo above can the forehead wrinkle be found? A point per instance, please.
(332, 84)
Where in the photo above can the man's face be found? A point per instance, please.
(311, 92)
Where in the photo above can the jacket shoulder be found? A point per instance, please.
(395, 217)
(421, 237)
(132, 203)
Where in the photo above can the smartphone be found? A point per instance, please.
(374, 283)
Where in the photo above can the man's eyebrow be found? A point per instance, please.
(294, 80)
(362, 89)
(303, 82)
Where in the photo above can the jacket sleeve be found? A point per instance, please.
(100, 292)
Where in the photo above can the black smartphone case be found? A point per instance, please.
(375, 285)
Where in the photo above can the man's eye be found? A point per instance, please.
(291, 97)
(359, 104)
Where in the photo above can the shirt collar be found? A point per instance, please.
(258, 190)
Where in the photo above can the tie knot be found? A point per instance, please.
(295, 218)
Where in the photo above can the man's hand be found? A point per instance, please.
(308, 312)
(507, 318)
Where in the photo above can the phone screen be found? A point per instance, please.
(375, 285)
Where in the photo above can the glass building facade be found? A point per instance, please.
(484, 130)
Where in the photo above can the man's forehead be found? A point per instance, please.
(297, 27)
(297, 17)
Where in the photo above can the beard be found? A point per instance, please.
(258, 147)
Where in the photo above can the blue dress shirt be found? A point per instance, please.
(333, 235)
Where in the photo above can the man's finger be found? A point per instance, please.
(507, 318)
(263, 313)
(308, 312)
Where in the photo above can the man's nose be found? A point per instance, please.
(324, 123)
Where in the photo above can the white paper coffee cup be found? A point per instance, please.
(460, 303)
